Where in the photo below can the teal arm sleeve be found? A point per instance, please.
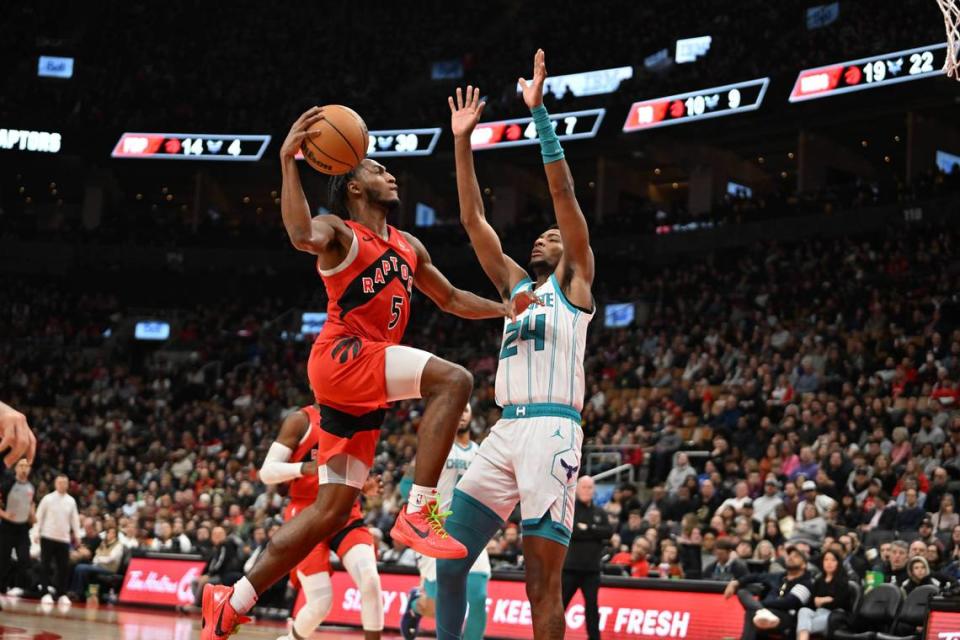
(550, 147)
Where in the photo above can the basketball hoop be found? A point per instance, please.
(951, 20)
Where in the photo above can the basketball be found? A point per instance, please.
(338, 143)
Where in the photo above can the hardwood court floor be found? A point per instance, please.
(29, 620)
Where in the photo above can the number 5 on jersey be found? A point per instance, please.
(396, 305)
(524, 331)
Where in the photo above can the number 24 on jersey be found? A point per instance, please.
(525, 330)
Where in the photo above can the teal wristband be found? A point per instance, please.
(550, 147)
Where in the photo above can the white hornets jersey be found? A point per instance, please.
(541, 357)
(458, 461)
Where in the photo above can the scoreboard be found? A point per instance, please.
(869, 73)
(191, 146)
(402, 142)
(520, 131)
(681, 108)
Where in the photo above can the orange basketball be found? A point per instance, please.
(338, 143)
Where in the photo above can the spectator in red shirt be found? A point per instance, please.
(636, 559)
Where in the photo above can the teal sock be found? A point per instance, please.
(477, 611)
(473, 524)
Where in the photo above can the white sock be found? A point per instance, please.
(244, 596)
(420, 496)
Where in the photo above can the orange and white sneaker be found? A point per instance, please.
(219, 620)
(423, 532)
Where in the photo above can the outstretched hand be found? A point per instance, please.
(465, 113)
(533, 90)
(299, 131)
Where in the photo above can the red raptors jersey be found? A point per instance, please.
(370, 290)
(304, 488)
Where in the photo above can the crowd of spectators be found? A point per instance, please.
(778, 397)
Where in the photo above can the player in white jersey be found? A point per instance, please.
(421, 600)
(532, 454)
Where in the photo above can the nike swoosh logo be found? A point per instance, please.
(422, 534)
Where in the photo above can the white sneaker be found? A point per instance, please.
(64, 601)
(15, 592)
(47, 599)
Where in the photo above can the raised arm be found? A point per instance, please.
(311, 235)
(502, 270)
(275, 467)
(458, 302)
(577, 253)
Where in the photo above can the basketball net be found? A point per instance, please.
(951, 20)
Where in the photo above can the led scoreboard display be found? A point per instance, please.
(402, 142)
(696, 105)
(191, 146)
(869, 73)
(520, 131)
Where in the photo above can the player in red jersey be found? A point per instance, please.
(357, 367)
(292, 458)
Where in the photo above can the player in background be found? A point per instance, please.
(292, 459)
(357, 368)
(421, 601)
(532, 455)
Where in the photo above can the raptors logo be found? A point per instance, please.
(346, 349)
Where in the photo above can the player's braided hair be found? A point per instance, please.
(337, 194)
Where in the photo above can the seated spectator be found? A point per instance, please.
(947, 518)
(669, 565)
(680, 472)
(128, 534)
(202, 543)
(919, 574)
(106, 561)
(766, 555)
(510, 546)
(905, 483)
(744, 549)
(165, 541)
(181, 536)
(813, 526)
(783, 594)
(902, 449)
(934, 558)
(767, 504)
(633, 528)
(812, 495)
(728, 566)
(224, 565)
(895, 570)
(741, 495)
(830, 591)
(88, 543)
(855, 559)
(637, 559)
(911, 514)
(807, 467)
